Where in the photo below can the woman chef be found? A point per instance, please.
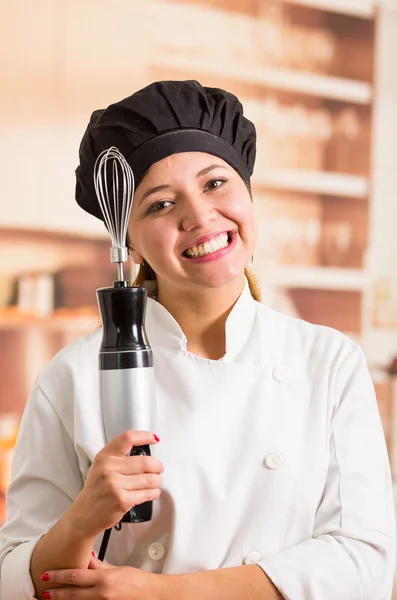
(272, 460)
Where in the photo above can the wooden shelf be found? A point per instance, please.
(355, 8)
(72, 324)
(314, 182)
(318, 278)
(313, 84)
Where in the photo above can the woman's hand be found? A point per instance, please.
(115, 483)
(101, 582)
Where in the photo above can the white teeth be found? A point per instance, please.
(215, 245)
(208, 247)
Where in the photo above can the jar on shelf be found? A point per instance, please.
(336, 242)
(321, 127)
(344, 143)
(36, 294)
(270, 27)
(322, 50)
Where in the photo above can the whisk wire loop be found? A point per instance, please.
(114, 186)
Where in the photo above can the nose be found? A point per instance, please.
(197, 213)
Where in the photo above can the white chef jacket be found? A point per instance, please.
(273, 455)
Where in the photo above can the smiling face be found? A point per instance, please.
(192, 220)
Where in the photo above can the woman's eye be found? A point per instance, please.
(158, 206)
(215, 183)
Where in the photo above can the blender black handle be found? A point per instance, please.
(141, 512)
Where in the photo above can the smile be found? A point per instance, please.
(211, 249)
(217, 243)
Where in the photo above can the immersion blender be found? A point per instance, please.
(126, 375)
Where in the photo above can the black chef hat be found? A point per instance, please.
(164, 118)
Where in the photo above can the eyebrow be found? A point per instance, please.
(160, 188)
(208, 169)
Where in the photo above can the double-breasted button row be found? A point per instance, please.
(273, 460)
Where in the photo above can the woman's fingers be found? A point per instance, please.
(121, 445)
(130, 465)
(116, 481)
(135, 489)
(134, 465)
(128, 499)
(141, 482)
(115, 455)
(139, 496)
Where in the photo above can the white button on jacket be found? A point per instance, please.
(294, 471)
(273, 460)
(280, 374)
(156, 551)
(252, 558)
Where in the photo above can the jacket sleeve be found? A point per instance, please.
(351, 555)
(45, 480)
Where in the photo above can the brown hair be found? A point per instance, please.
(146, 273)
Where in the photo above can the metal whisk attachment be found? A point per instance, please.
(114, 187)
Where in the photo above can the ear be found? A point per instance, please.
(136, 257)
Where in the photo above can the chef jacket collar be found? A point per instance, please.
(164, 331)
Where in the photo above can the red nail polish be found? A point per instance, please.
(45, 577)
(46, 596)
(93, 553)
(156, 437)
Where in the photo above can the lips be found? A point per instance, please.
(212, 255)
(206, 238)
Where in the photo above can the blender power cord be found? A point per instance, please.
(105, 541)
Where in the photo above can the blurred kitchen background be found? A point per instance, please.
(318, 78)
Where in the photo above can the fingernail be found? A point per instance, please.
(46, 596)
(45, 577)
(156, 437)
(93, 553)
